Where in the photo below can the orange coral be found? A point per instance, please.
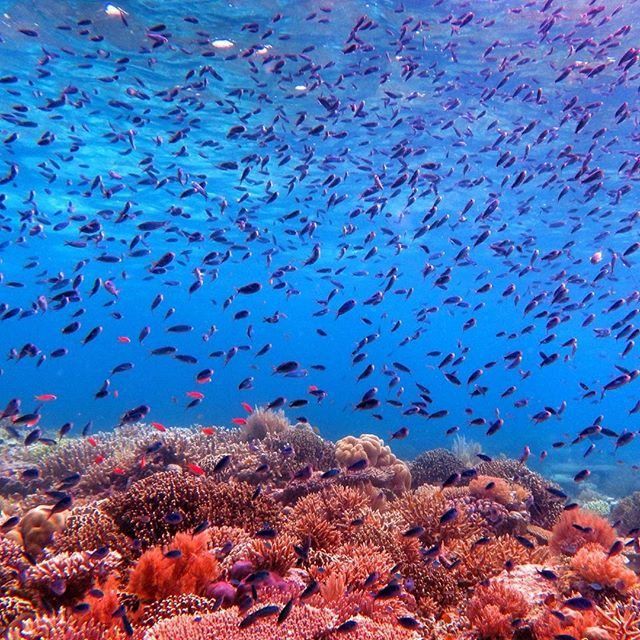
(572, 624)
(274, 555)
(156, 576)
(592, 565)
(494, 609)
(578, 527)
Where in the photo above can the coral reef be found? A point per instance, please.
(272, 532)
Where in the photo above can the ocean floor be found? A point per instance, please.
(268, 531)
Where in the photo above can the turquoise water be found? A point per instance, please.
(330, 152)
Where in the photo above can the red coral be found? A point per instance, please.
(592, 565)
(157, 576)
(494, 609)
(577, 528)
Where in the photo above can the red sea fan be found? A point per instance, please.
(156, 576)
(577, 528)
(493, 610)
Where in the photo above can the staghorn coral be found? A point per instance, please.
(592, 565)
(61, 627)
(66, 577)
(157, 574)
(578, 527)
(264, 422)
(545, 508)
(141, 512)
(303, 623)
(494, 611)
(434, 467)
(350, 450)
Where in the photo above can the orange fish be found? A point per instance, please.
(46, 397)
(158, 426)
(194, 468)
(195, 394)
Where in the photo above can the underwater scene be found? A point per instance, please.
(318, 320)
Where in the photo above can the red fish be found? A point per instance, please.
(46, 397)
(247, 407)
(124, 339)
(240, 421)
(158, 426)
(195, 469)
(195, 394)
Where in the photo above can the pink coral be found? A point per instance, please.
(494, 609)
(303, 623)
(594, 566)
(578, 527)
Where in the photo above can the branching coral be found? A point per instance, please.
(88, 527)
(546, 507)
(65, 578)
(12, 564)
(627, 513)
(273, 555)
(434, 467)
(172, 606)
(13, 610)
(303, 623)
(185, 566)
(143, 511)
(620, 619)
(62, 627)
(578, 527)
(494, 611)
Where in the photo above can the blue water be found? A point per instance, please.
(450, 119)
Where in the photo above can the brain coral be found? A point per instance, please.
(37, 528)
(434, 467)
(372, 449)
